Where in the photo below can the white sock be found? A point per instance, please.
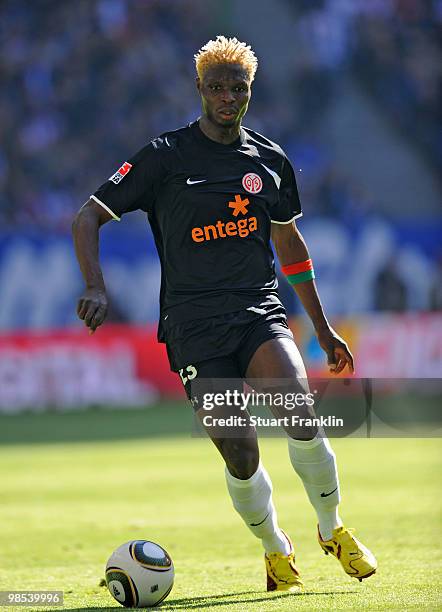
(252, 499)
(315, 463)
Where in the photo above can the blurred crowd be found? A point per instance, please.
(86, 83)
(390, 47)
(397, 56)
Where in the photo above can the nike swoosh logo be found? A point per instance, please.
(189, 182)
(256, 524)
(327, 494)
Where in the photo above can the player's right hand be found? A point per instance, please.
(92, 308)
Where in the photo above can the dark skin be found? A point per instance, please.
(93, 304)
(225, 92)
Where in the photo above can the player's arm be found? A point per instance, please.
(291, 249)
(92, 305)
(128, 189)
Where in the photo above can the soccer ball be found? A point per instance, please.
(139, 574)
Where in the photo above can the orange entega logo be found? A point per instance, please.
(220, 229)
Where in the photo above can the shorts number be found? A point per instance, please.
(191, 372)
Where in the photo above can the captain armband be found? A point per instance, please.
(299, 272)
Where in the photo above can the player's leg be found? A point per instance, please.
(252, 499)
(312, 457)
(247, 480)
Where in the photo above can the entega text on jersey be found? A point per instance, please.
(210, 206)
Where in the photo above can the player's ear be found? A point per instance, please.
(198, 83)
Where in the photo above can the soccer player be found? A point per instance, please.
(215, 193)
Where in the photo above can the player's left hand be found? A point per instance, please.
(338, 353)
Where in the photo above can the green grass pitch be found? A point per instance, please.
(115, 476)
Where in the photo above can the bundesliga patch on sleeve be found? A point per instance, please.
(120, 173)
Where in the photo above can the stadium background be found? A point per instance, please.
(351, 89)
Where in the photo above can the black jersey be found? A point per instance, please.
(210, 206)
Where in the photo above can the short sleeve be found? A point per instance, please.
(134, 185)
(288, 207)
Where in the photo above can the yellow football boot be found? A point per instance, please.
(282, 574)
(357, 561)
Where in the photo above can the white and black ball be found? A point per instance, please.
(139, 574)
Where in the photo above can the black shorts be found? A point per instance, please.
(222, 346)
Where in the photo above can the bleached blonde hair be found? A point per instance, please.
(224, 50)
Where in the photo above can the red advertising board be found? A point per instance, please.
(117, 366)
(123, 365)
(384, 345)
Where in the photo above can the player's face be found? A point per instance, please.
(225, 94)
